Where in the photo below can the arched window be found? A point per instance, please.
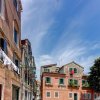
(3, 45)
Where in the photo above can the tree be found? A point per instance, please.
(94, 76)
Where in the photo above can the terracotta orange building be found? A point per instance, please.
(65, 83)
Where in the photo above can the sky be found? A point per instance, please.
(62, 31)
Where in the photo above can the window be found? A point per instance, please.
(70, 69)
(84, 95)
(47, 94)
(73, 82)
(15, 59)
(48, 80)
(61, 81)
(83, 82)
(75, 70)
(56, 94)
(15, 4)
(76, 82)
(89, 95)
(15, 92)
(95, 96)
(46, 70)
(3, 45)
(15, 36)
(70, 95)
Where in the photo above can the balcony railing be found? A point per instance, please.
(73, 84)
(85, 85)
(7, 61)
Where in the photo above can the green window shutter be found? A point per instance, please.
(70, 69)
(75, 70)
(70, 81)
(76, 82)
(61, 81)
(83, 82)
(48, 80)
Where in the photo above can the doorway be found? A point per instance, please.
(75, 96)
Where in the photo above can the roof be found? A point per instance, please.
(50, 65)
(74, 63)
(52, 73)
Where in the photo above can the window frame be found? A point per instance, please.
(47, 95)
(55, 95)
(75, 71)
(75, 81)
(88, 95)
(46, 70)
(15, 3)
(15, 58)
(60, 81)
(70, 69)
(69, 95)
(3, 44)
(16, 36)
(46, 80)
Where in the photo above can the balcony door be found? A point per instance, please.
(75, 96)
(0, 91)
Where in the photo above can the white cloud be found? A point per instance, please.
(37, 19)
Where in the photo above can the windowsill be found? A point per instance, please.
(61, 85)
(48, 84)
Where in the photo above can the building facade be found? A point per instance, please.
(10, 53)
(28, 72)
(38, 93)
(65, 83)
(17, 66)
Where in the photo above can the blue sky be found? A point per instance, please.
(62, 31)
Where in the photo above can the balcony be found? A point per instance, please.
(7, 61)
(86, 85)
(73, 84)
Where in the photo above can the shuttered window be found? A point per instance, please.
(61, 81)
(48, 80)
(75, 70)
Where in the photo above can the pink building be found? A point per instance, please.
(65, 83)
